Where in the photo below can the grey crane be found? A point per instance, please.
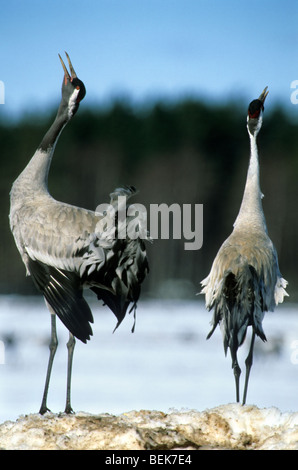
(245, 281)
(66, 249)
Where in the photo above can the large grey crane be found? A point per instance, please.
(66, 248)
(245, 281)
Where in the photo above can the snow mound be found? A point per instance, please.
(225, 427)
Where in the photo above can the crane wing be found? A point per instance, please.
(63, 292)
(64, 250)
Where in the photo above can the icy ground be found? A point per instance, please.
(224, 427)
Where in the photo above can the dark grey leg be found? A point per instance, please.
(237, 372)
(248, 364)
(53, 349)
(70, 346)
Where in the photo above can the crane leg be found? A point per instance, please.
(237, 372)
(248, 364)
(70, 346)
(53, 349)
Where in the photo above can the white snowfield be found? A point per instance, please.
(231, 426)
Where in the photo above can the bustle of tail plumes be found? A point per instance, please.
(126, 264)
(240, 301)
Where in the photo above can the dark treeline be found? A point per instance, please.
(186, 153)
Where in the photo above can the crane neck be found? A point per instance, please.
(34, 178)
(251, 211)
(52, 135)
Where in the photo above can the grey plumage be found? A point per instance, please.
(245, 281)
(62, 247)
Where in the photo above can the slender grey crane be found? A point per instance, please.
(245, 281)
(67, 248)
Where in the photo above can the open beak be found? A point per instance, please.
(263, 95)
(257, 106)
(72, 72)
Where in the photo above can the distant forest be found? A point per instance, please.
(186, 152)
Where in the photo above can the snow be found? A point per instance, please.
(166, 365)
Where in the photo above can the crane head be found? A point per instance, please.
(73, 90)
(254, 114)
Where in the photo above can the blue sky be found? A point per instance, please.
(148, 48)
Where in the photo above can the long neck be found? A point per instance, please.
(34, 178)
(251, 210)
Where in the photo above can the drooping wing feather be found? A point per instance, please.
(64, 293)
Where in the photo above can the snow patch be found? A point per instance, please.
(225, 427)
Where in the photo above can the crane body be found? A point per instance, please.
(62, 249)
(245, 280)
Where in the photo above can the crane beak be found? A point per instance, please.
(72, 74)
(263, 95)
